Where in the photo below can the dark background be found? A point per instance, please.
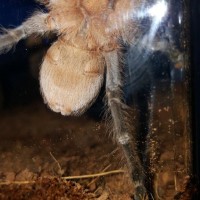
(195, 70)
(17, 85)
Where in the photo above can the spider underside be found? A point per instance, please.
(90, 36)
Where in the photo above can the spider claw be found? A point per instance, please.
(140, 193)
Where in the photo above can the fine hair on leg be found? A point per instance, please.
(123, 134)
(38, 24)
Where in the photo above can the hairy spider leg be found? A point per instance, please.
(122, 133)
(39, 23)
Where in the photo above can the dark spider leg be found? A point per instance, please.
(145, 119)
(40, 23)
(122, 132)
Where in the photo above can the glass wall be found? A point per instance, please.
(155, 64)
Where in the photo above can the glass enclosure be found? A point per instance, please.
(37, 143)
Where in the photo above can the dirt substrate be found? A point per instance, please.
(45, 188)
(41, 146)
(38, 147)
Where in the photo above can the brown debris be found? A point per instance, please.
(45, 188)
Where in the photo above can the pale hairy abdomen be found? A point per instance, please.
(70, 78)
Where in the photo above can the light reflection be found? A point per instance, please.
(179, 19)
(159, 10)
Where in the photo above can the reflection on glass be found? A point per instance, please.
(157, 85)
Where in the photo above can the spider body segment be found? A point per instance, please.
(75, 63)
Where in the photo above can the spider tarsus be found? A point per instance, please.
(140, 193)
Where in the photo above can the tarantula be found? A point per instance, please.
(91, 35)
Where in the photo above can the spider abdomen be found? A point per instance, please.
(70, 78)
